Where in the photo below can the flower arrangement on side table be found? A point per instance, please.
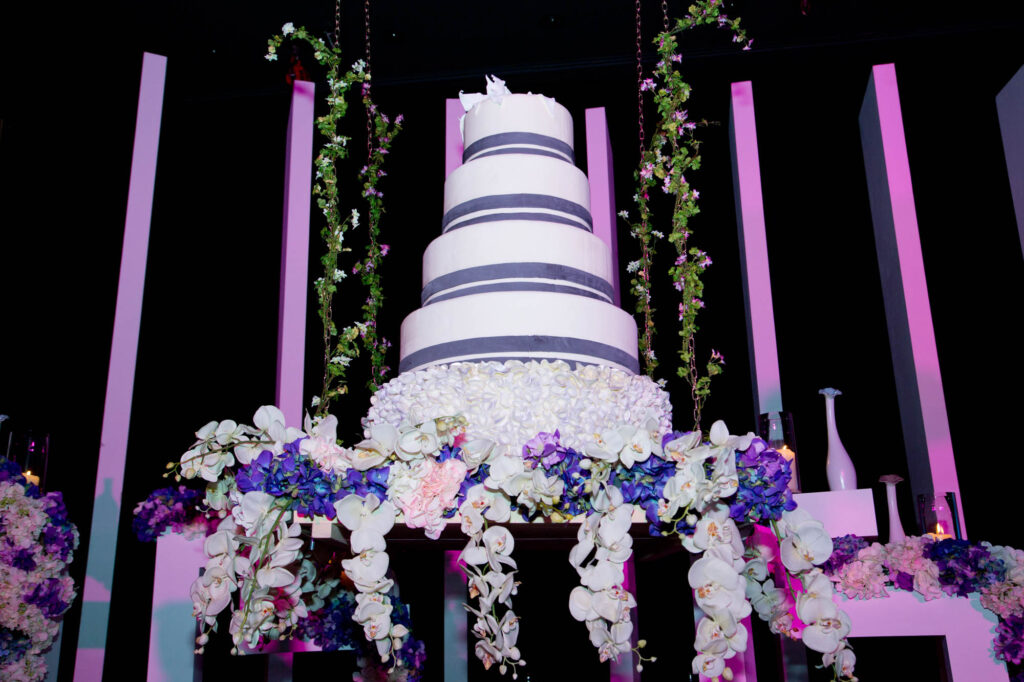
(936, 568)
(36, 545)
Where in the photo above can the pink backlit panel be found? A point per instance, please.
(124, 347)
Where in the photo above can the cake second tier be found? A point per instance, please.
(520, 325)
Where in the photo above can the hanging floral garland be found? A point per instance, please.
(341, 347)
(674, 151)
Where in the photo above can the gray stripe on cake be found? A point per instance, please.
(523, 200)
(481, 273)
(518, 286)
(529, 217)
(519, 344)
(502, 139)
(521, 150)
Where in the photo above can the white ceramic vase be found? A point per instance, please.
(896, 533)
(838, 466)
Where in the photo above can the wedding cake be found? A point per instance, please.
(517, 329)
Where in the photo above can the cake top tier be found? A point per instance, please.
(503, 123)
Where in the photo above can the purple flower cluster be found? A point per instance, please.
(166, 509)
(362, 483)
(643, 484)
(1009, 642)
(13, 645)
(49, 597)
(332, 628)
(844, 550)
(10, 471)
(290, 474)
(60, 537)
(764, 477)
(547, 451)
(964, 567)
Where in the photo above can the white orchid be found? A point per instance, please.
(477, 451)
(610, 642)
(322, 445)
(827, 626)
(257, 513)
(508, 473)
(681, 450)
(720, 634)
(715, 528)
(606, 446)
(717, 584)
(494, 550)
(368, 518)
(806, 544)
(543, 491)
(494, 506)
(417, 441)
(378, 446)
(271, 423)
(208, 465)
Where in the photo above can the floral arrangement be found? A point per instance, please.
(36, 545)
(466, 446)
(674, 151)
(262, 479)
(936, 568)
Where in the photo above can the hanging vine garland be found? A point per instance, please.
(672, 152)
(340, 347)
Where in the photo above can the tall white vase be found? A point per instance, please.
(896, 533)
(838, 466)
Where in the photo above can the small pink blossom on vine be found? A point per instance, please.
(647, 84)
(384, 248)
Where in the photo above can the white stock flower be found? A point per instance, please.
(288, 28)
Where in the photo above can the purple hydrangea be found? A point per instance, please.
(290, 474)
(166, 509)
(964, 567)
(844, 550)
(764, 492)
(1009, 642)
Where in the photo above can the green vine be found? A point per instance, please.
(341, 347)
(674, 151)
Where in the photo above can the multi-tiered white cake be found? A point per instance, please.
(518, 331)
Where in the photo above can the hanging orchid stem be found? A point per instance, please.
(672, 152)
(340, 347)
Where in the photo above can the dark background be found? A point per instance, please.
(69, 78)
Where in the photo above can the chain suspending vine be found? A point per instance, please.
(340, 347)
(672, 152)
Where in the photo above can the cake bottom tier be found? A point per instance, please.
(518, 325)
(511, 402)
